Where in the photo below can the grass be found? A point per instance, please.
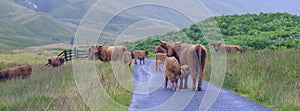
(265, 76)
(54, 88)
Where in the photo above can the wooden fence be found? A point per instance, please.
(81, 52)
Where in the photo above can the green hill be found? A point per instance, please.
(21, 27)
(251, 31)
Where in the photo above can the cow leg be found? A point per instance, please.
(200, 83)
(135, 61)
(143, 60)
(157, 65)
(166, 82)
(172, 82)
(185, 82)
(181, 83)
(194, 83)
(176, 84)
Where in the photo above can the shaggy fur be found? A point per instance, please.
(172, 72)
(108, 53)
(22, 71)
(56, 61)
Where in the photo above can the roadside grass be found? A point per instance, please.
(52, 88)
(265, 76)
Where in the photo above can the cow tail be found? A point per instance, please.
(202, 53)
(203, 60)
(132, 55)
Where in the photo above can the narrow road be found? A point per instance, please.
(149, 94)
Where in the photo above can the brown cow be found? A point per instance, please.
(192, 55)
(227, 48)
(160, 58)
(139, 54)
(56, 61)
(22, 71)
(172, 72)
(108, 53)
(185, 71)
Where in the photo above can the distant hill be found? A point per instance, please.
(231, 7)
(21, 27)
(72, 11)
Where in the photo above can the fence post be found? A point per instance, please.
(66, 55)
(70, 54)
(75, 52)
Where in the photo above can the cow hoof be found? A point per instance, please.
(199, 89)
(193, 89)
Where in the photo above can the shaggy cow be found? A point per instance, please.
(160, 58)
(23, 71)
(172, 72)
(139, 54)
(185, 71)
(127, 58)
(192, 55)
(227, 48)
(108, 53)
(55, 61)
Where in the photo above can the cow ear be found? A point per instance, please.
(163, 45)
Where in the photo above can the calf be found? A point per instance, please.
(172, 72)
(55, 61)
(139, 54)
(185, 71)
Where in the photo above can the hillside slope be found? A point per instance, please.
(21, 27)
(251, 31)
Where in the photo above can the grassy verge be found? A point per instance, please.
(267, 77)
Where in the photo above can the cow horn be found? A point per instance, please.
(160, 40)
(182, 40)
(104, 43)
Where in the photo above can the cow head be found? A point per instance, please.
(172, 48)
(146, 52)
(158, 49)
(50, 61)
(216, 45)
(61, 60)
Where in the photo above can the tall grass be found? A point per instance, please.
(269, 77)
(52, 88)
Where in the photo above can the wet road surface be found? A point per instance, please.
(149, 94)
